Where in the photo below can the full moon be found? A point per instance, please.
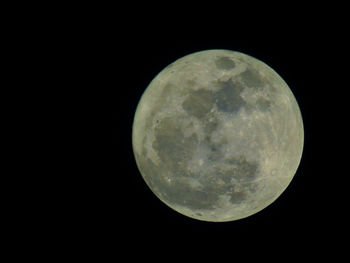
(217, 135)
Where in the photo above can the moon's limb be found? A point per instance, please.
(218, 135)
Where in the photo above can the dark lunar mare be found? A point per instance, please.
(225, 63)
(174, 150)
(251, 78)
(198, 103)
(228, 98)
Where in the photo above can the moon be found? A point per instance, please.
(217, 135)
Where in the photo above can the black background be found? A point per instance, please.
(305, 219)
(117, 51)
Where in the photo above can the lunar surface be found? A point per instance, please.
(217, 135)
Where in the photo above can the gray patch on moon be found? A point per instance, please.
(242, 170)
(198, 103)
(263, 104)
(180, 193)
(237, 197)
(175, 150)
(225, 63)
(152, 176)
(228, 98)
(166, 93)
(171, 144)
(251, 78)
(175, 190)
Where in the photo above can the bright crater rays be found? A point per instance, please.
(217, 135)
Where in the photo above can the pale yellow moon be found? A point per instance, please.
(218, 135)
